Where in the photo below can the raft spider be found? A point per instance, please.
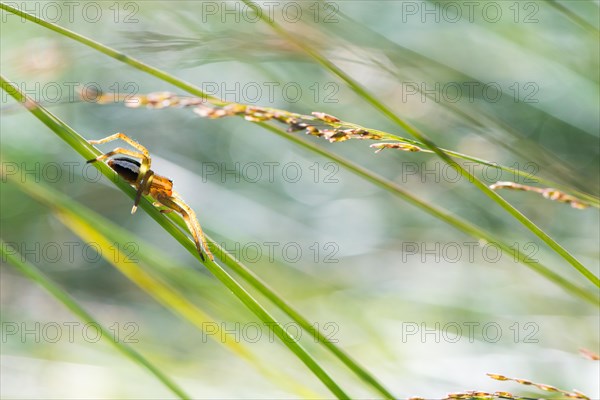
(160, 188)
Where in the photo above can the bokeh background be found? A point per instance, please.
(366, 271)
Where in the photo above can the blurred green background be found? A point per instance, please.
(366, 271)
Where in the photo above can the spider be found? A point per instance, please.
(160, 188)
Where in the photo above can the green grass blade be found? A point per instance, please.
(109, 52)
(80, 145)
(40, 278)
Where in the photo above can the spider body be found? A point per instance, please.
(140, 176)
(129, 169)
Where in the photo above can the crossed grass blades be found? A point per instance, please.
(320, 124)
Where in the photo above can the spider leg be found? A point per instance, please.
(127, 140)
(159, 204)
(143, 188)
(118, 150)
(189, 216)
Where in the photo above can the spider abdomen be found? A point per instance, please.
(127, 168)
